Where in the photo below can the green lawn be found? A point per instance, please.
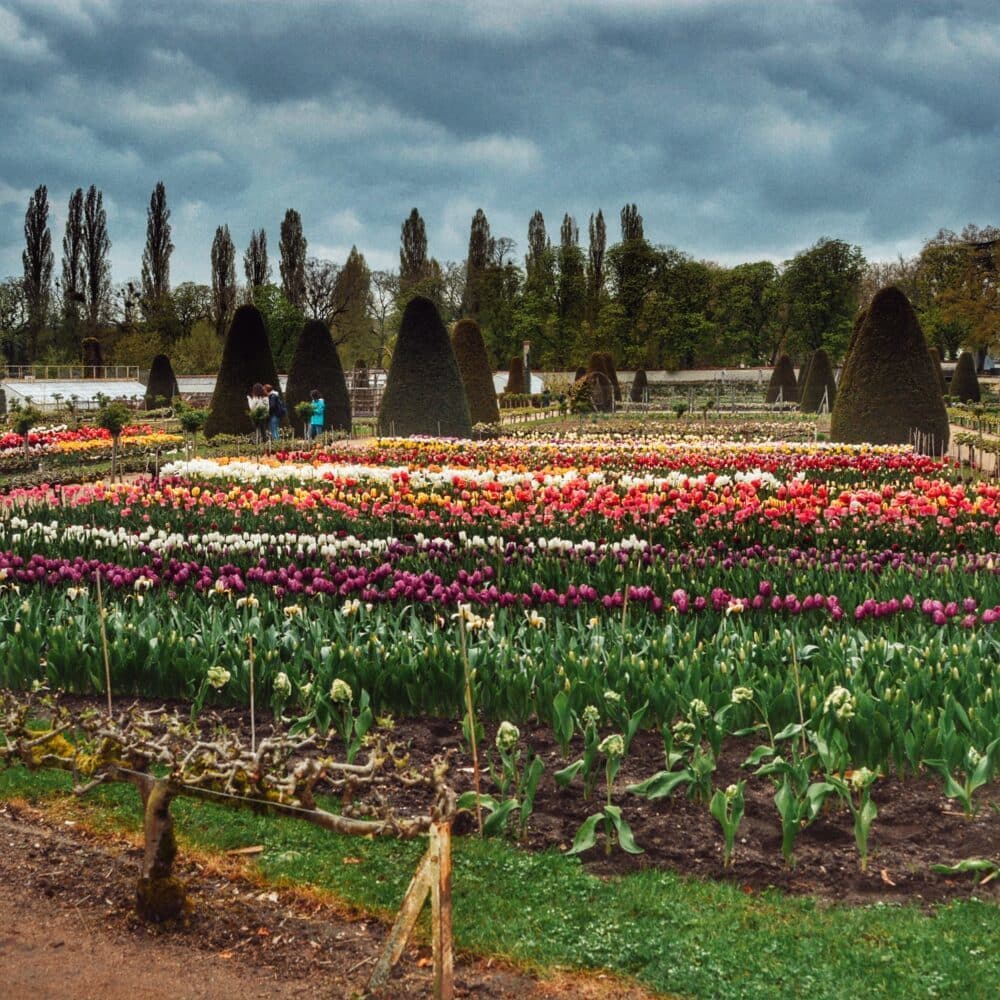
(672, 934)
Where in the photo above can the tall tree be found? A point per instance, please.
(255, 263)
(413, 263)
(598, 232)
(96, 266)
(382, 294)
(73, 278)
(538, 244)
(37, 260)
(821, 287)
(223, 279)
(293, 259)
(478, 260)
(747, 305)
(156, 255)
(631, 224)
(571, 287)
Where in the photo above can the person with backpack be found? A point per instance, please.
(276, 411)
(318, 417)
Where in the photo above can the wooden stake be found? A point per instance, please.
(253, 723)
(104, 641)
(432, 878)
(472, 722)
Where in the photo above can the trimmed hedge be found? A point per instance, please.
(889, 388)
(819, 381)
(964, 383)
(936, 359)
(424, 392)
(640, 384)
(246, 359)
(515, 377)
(316, 365)
(161, 383)
(783, 382)
(477, 375)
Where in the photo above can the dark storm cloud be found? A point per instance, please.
(742, 129)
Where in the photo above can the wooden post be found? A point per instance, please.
(432, 878)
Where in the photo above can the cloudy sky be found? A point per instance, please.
(743, 129)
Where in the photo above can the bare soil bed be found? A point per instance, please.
(68, 931)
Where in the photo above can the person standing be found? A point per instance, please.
(318, 418)
(275, 411)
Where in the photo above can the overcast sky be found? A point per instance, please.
(742, 129)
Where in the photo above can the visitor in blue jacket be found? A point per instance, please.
(318, 418)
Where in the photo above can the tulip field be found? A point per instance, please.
(616, 574)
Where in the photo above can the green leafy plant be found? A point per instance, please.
(627, 722)
(616, 829)
(855, 789)
(962, 784)
(727, 807)
(983, 869)
(352, 725)
(585, 765)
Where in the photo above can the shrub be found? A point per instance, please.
(477, 375)
(819, 380)
(515, 377)
(424, 392)
(639, 386)
(316, 365)
(92, 353)
(889, 389)
(783, 382)
(612, 373)
(964, 384)
(246, 359)
(804, 372)
(592, 392)
(162, 382)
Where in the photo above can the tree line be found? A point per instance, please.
(652, 306)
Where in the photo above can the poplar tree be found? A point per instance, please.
(413, 264)
(293, 259)
(96, 267)
(477, 261)
(223, 279)
(73, 279)
(156, 255)
(37, 260)
(598, 232)
(255, 263)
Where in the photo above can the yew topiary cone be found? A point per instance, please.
(246, 359)
(477, 376)
(316, 365)
(783, 382)
(424, 392)
(819, 382)
(964, 384)
(162, 382)
(889, 389)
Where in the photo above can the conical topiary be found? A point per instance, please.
(246, 359)
(782, 382)
(316, 365)
(162, 383)
(639, 386)
(936, 361)
(889, 389)
(477, 375)
(819, 382)
(423, 391)
(592, 392)
(602, 361)
(804, 372)
(964, 384)
(515, 377)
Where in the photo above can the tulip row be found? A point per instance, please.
(660, 572)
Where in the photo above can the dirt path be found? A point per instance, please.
(68, 932)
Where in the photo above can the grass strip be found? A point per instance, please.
(672, 934)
